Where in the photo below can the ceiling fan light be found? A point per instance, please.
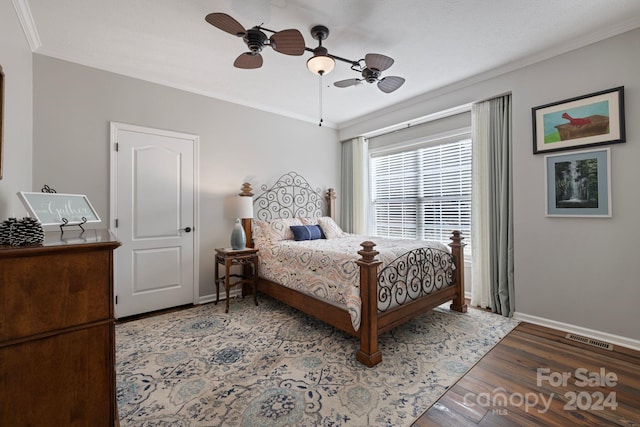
(320, 63)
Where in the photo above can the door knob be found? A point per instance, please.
(186, 229)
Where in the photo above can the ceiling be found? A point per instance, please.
(435, 43)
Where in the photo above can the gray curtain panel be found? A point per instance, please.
(501, 206)
(346, 188)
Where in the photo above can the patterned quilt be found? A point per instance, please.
(326, 268)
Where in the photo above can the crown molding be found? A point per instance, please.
(28, 25)
(557, 50)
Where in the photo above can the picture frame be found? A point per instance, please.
(585, 121)
(1, 118)
(59, 209)
(578, 184)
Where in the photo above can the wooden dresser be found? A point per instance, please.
(57, 331)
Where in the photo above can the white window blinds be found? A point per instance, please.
(423, 193)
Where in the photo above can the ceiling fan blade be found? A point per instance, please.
(226, 23)
(347, 82)
(389, 84)
(248, 61)
(377, 61)
(289, 42)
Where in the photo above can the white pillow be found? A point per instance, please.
(279, 229)
(309, 221)
(329, 227)
(258, 234)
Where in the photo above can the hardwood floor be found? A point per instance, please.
(537, 377)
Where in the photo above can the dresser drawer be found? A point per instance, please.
(49, 292)
(62, 380)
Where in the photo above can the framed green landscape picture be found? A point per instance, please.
(584, 121)
(579, 183)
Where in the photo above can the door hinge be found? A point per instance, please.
(116, 146)
(116, 299)
(116, 222)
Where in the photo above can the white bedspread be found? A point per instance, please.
(326, 268)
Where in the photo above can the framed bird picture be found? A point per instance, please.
(584, 121)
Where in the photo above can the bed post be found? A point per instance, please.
(331, 202)
(246, 222)
(457, 250)
(369, 354)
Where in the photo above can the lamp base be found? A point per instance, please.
(238, 237)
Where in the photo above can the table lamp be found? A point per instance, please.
(242, 208)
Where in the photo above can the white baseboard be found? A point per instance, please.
(589, 333)
(205, 299)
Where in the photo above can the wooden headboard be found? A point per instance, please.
(290, 196)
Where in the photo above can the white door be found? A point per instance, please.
(153, 215)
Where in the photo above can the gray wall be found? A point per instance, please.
(576, 271)
(74, 104)
(580, 272)
(15, 58)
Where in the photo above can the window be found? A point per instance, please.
(423, 193)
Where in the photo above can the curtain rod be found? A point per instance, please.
(418, 121)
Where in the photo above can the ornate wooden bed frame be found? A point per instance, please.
(373, 322)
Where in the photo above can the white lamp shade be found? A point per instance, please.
(320, 64)
(238, 207)
(244, 207)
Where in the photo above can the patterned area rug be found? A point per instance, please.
(273, 366)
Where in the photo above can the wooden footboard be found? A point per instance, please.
(374, 322)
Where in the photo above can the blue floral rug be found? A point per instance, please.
(273, 366)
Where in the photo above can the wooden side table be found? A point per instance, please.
(246, 258)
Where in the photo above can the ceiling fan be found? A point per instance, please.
(289, 42)
(374, 65)
(371, 67)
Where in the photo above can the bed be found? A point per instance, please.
(345, 280)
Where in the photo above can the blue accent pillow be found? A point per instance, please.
(306, 232)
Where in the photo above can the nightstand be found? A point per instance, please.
(247, 258)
